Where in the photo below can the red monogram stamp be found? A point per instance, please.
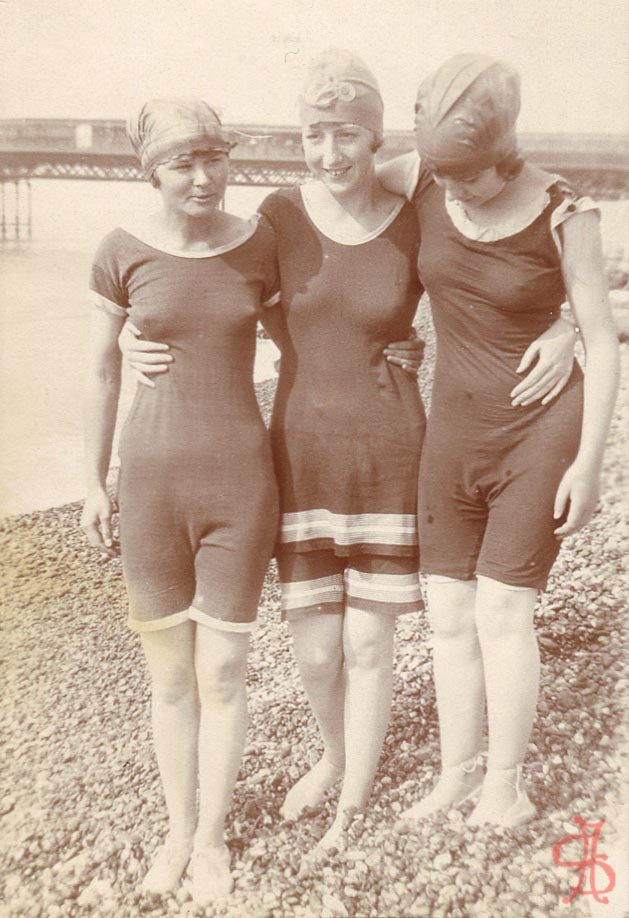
(588, 864)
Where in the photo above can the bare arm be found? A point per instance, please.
(102, 388)
(582, 264)
(274, 324)
(399, 175)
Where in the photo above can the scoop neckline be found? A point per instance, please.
(369, 235)
(459, 219)
(249, 230)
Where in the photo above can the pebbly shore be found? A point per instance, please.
(81, 808)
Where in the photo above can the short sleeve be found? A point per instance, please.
(568, 204)
(106, 288)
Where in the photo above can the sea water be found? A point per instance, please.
(44, 320)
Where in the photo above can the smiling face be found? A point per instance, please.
(340, 155)
(192, 182)
(473, 189)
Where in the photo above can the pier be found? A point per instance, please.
(99, 150)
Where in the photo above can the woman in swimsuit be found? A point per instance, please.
(503, 244)
(347, 428)
(194, 452)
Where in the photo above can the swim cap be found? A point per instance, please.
(340, 87)
(465, 114)
(163, 126)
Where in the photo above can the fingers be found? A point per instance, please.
(531, 379)
(143, 380)
(527, 358)
(535, 386)
(409, 366)
(410, 346)
(579, 514)
(132, 328)
(556, 390)
(561, 499)
(105, 528)
(148, 346)
(573, 523)
(137, 358)
(97, 538)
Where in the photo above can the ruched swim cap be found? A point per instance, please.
(465, 114)
(162, 126)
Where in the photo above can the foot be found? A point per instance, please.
(455, 785)
(311, 789)
(167, 868)
(211, 876)
(503, 800)
(334, 838)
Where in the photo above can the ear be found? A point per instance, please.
(377, 141)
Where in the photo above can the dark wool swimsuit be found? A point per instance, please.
(347, 426)
(490, 472)
(197, 493)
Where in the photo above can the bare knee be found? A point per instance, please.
(170, 660)
(503, 611)
(318, 646)
(220, 666)
(320, 662)
(368, 643)
(451, 608)
(174, 685)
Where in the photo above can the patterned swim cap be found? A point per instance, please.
(340, 87)
(164, 126)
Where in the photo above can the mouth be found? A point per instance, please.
(337, 173)
(202, 198)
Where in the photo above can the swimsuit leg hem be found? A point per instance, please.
(203, 618)
(158, 624)
(323, 608)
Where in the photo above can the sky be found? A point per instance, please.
(88, 59)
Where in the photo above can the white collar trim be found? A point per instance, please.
(319, 221)
(249, 229)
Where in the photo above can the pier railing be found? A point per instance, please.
(98, 150)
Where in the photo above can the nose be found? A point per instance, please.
(201, 174)
(330, 151)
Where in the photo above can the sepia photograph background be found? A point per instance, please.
(81, 807)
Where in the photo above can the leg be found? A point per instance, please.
(170, 657)
(368, 648)
(318, 646)
(458, 674)
(220, 666)
(504, 616)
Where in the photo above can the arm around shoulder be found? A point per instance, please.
(400, 174)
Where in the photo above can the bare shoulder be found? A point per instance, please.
(399, 175)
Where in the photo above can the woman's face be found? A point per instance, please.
(475, 189)
(340, 155)
(193, 182)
